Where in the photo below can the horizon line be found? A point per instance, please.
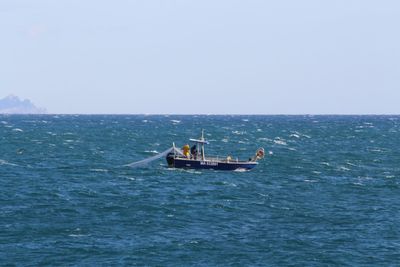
(211, 114)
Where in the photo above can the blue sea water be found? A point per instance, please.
(327, 193)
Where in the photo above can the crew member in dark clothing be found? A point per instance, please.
(193, 151)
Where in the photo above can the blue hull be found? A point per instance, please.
(215, 165)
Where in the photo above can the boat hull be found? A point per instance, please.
(206, 164)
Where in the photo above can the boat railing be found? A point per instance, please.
(215, 159)
(224, 159)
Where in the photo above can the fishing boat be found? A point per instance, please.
(194, 157)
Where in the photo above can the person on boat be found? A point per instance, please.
(193, 151)
(186, 152)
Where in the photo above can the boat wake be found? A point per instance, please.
(241, 170)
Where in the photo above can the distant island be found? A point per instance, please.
(14, 105)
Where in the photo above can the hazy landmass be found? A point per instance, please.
(14, 105)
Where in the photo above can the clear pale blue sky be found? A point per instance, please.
(225, 56)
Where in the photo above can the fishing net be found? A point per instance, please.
(156, 157)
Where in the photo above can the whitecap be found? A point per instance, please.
(225, 140)
(264, 139)
(280, 142)
(4, 162)
(376, 150)
(175, 121)
(129, 178)
(17, 130)
(238, 132)
(76, 235)
(295, 135)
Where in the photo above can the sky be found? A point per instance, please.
(202, 57)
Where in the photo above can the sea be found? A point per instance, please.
(327, 192)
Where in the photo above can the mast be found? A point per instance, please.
(202, 145)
